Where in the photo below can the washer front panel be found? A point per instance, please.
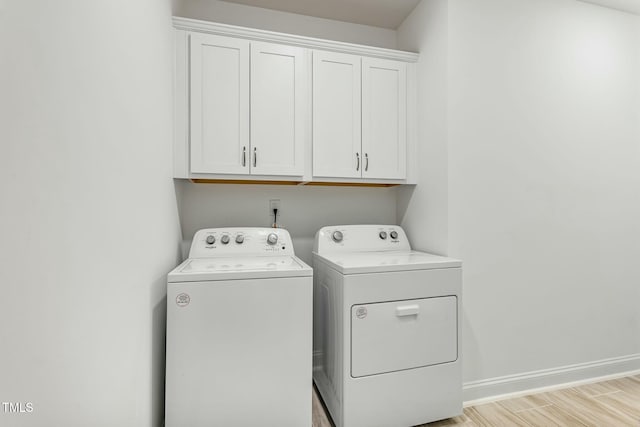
(238, 353)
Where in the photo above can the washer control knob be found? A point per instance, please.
(394, 235)
(272, 239)
(225, 239)
(337, 236)
(239, 239)
(383, 235)
(211, 240)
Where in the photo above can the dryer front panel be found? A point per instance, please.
(400, 335)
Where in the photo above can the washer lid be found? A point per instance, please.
(236, 268)
(376, 262)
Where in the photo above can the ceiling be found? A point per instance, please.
(379, 13)
(632, 6)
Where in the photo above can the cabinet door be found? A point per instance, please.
(384, 118)
(336, 115)
(219, 104)
(278, 119)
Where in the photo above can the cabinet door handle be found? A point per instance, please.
(358, 161)
(244, 156)
(255, 156)
(366, 162)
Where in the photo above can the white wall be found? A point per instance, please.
(543, 181)
(273, 20)
(89, 220)
(304, 209)
(422, 209)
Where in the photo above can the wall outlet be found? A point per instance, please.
(275, 204)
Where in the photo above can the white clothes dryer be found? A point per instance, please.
(239, 332)
(386, 328)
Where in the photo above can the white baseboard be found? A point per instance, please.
(510, 386)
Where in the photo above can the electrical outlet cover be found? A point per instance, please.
(274, 204)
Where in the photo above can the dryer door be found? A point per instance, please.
(399, 335)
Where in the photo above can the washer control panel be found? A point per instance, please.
(361, 238)
(215, 242)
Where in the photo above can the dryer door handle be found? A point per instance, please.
(408, 310)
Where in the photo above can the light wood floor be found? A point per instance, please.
(606, 404)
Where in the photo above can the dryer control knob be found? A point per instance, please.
(211, 240)
(394, 235)
(272, 239)
(225, 239)
(383, 235)
(239, 239)
(337, 236)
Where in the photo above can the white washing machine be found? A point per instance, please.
(239, 325)
(386, 328)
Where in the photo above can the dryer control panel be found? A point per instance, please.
(248, 241)
(361, 238)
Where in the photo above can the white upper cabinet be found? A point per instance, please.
(219, 104)
(278, 96)
(336, 115)
(384, 118)
(247, 104)
(359, 117)
(253, 105)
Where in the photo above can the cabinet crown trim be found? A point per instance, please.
(291, 39)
